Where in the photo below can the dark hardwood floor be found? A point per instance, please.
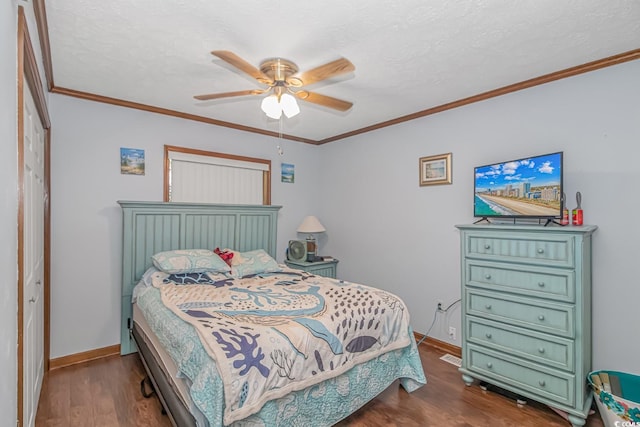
(106, 392)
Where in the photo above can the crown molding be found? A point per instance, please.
(41, 19)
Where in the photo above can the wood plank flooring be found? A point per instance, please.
(106, 393)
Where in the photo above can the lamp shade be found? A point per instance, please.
(289, 105)
(271, 107)
(310, 224)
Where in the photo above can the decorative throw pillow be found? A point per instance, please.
(189, 261)
(253, 262)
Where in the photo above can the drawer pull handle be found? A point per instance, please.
(488, 306)
(489, 365)
(541, 350)
(488, 335)
(487, 246)
(540, 250)
(542, 383)
(487, 276)
(541, 284)
(541, 317)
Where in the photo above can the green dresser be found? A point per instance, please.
(526, 312)
(319, 268)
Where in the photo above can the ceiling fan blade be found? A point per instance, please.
(229, 94)
(324, 100)
(323, 72)
(242, 65)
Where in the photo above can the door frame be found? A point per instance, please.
(28, 74)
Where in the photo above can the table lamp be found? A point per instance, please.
(311, 225)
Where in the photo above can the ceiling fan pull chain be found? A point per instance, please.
(280, 150)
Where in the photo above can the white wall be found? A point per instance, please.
(389, 232)
(8, 214)
(86, 220)
(385, 229)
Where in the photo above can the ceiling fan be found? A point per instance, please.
(284, 82)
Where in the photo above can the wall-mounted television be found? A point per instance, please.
(530, 187)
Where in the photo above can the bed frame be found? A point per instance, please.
(159, 384)
(151, 227)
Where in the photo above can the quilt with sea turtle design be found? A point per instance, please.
(274, 333)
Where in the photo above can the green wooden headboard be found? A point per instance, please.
(151, 227)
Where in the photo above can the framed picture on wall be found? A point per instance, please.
(288, 173)
(131, 161)
(435, 170)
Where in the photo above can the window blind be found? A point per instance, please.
(209, 179)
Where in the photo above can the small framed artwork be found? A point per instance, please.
(288, 173)
(435, 170)
(131, 161)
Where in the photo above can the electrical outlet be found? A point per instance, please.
(452, 332)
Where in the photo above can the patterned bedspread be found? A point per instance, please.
(275, 333)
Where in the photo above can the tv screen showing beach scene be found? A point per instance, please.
(527, 187)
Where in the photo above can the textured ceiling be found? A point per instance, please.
(409, 55)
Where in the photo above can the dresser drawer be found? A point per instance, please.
(550, 250)
(544, 316)
(546, 383)
(552, 283)
(537, 347)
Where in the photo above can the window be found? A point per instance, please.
(208, 177)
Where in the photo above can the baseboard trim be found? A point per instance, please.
(440, 345)
(85, 356)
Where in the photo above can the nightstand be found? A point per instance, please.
(320, 268)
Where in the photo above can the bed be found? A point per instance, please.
(197, 381)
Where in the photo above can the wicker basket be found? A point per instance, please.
(617, 395)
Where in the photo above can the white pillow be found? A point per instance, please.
(252, 262)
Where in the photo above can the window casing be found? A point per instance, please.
(200, 176)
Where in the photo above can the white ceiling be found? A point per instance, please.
(409, 55)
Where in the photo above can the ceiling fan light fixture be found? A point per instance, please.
(271, 107)
(289, 105)
(274, 109)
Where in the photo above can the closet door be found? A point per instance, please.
(33, 219)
